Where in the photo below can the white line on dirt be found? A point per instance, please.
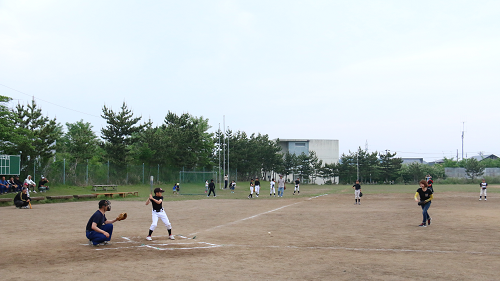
(254, 216)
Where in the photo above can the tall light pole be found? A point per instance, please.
(224, 145)
(219, 156)
(228, 172)
(463, 127)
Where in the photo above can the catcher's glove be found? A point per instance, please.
(121, 216)
(361, 194)
(420, 203)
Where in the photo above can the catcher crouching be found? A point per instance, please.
(99, 229)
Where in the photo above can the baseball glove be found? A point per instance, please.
(420, 203)
(121, 216)
(361, 194)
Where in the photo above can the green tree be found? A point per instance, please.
(80, 141)
(303, 167)
(40, 136)
(348, 167)
(473, 168)
(450, 163)
(329, 171)
(390, 166)
(120, 134)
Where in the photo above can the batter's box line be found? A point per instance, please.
(165, 246)
(257, 215)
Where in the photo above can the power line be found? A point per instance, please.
(50, 102)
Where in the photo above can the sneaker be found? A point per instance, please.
(90, 243)
(429, 221)
(26, 207)
(422, 225)
(356, 203)
(105, 242)
(149, 238)
(171, 237)
(34, 191)
(359, 203)
(481, 199)
(485, 199)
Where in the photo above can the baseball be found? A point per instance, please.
(269, 232)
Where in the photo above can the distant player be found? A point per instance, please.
(424, 196)
(281, 186)
(211, 187)
(357, 191)
(297, 185)
(206, 186)
(233, 186)
(271, 188)
(158, 212)
(257, 187)
(483, 186)
(225, 181)
(430, 182)
(251, 189)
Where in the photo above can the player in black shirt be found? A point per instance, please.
(424, 196)
(158, 213)
(211, 187)
(357, 191)
(297, 185)
(22, 200)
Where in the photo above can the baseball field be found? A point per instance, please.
(318, 235)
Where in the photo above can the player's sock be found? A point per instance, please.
(169, 232)
(150, 232)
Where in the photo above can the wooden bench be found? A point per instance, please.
(85, 196)
(39, 198)
(122, 194)
(104, 187)
(6, 199)
(60, 197)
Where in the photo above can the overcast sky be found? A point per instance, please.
(398, 75)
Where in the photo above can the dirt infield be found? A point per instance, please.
(311, 238)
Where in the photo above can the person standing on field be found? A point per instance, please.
(429, 183)
(272, 189)
(281, 186)
(357, 191)
(424, 196)
(211, 187)
(252, 186)
(158, 213)
(297, 183)
(483, 186)
(225, 181)
(206, 186)
(257, 187)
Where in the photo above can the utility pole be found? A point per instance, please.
(224, 144)
(219, 157)
(357, 166)
(228, 172)
(463, 128)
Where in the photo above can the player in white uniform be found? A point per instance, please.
(483, 186)
(233, 186)
(251, 189)
(206, 186)
(158, 212)
(271, 188)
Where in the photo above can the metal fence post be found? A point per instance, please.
(142, 173)
(64, 171)
(108, 172)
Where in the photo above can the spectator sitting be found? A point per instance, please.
(175, 189)
(18, 183)
(13, 185)
(4, 186)
(22, 199)
(30, 184)
(42, 187)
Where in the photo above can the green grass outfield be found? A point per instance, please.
(190, 191)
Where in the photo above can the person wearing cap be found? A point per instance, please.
(29, 183)
(22, 199)
(175, 189)
(99, 229)
(42, 184)
(158, 212)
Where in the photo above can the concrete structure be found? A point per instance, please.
(326, 150)
(413, 160)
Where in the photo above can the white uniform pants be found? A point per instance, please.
(251, 189)
(296, 187)
(272, 190)
(356, 194)
(483, 192)
(257, 189)
(163, 216)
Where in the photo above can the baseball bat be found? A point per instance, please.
(30, 205)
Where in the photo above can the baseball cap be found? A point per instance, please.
(159, 190)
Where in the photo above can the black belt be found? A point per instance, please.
(158, 210)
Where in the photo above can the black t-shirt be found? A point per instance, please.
(424, 195)
(211, 185)
(357, 186)
(297, 182)
(42, 183)
(257, 183)
(21, 197)
(251, 183)
(157, 207)
(98, 217)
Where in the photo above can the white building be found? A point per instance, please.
(326, 150)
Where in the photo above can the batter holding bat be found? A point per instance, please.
(158, 212)
(424, 196)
